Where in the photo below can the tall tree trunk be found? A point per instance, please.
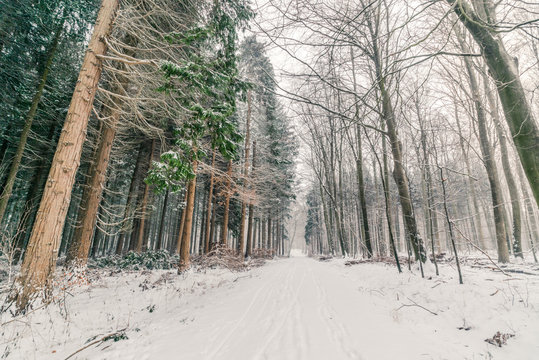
(396, 148)
(478, 224)
(263, 233)
(533, 229)
(82, 238)
(130, 205)
(182, 224)
(241, 242)
(194, 225)
(362, 198)
(10, 180)
(40, 260)
(278, 236)
(270, 243)
(160, 242)
(327, 221)
(449, 223)
(427, 179)
(98, 233)
(33, 196)
(185, 260)
(504, 70)
(203, 221)
(213, 223)
(400, 177)
(139, 209)
(228, 194)
(258, 222)
(144, 203)
(511, 183)
(249, 244)
(488, 160)
(339, 214)
(384, 177)
(93, 191)
(209, 206)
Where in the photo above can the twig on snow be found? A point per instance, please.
(416, 304)
(98, 341)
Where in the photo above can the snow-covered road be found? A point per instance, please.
(300, 308)
(297, 309)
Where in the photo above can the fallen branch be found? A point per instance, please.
(481, 250)
(361, 261)
(98, 341)
(416, 304)
(25, 314)
(518, 271)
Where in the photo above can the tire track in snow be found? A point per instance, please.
(298, 324)
(260, 301)
(278, 318)
(337, 331)
(288, 318)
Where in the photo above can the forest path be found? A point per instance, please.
(296, 308)
(289, 309)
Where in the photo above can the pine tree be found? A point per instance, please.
(40, 260)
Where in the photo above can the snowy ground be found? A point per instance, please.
(297, 308)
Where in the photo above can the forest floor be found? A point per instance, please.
(296, 308)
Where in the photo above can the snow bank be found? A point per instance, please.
(297, 308)
(114, 300)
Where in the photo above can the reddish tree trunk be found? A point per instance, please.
(185, 261)
(40, 260)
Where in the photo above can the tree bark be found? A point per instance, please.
(213, 222)
(450, 224)
(194, 226)
(503, 69)
(263, 233)
(93, 191)
(159, 243)
(488, 160)
(182, 225)
(270, 242)
(478, 224)
(144, 203)
(249, 244)
(209, 207)
(131, 199)
(241, 240)
(399, 173)
(224, 228)
(82, 238)
(511, 183)
(427, 179)
(385, 185)
(533, 229)
(185, 261)
(401, 179)
(40, 260)
(362, 198)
